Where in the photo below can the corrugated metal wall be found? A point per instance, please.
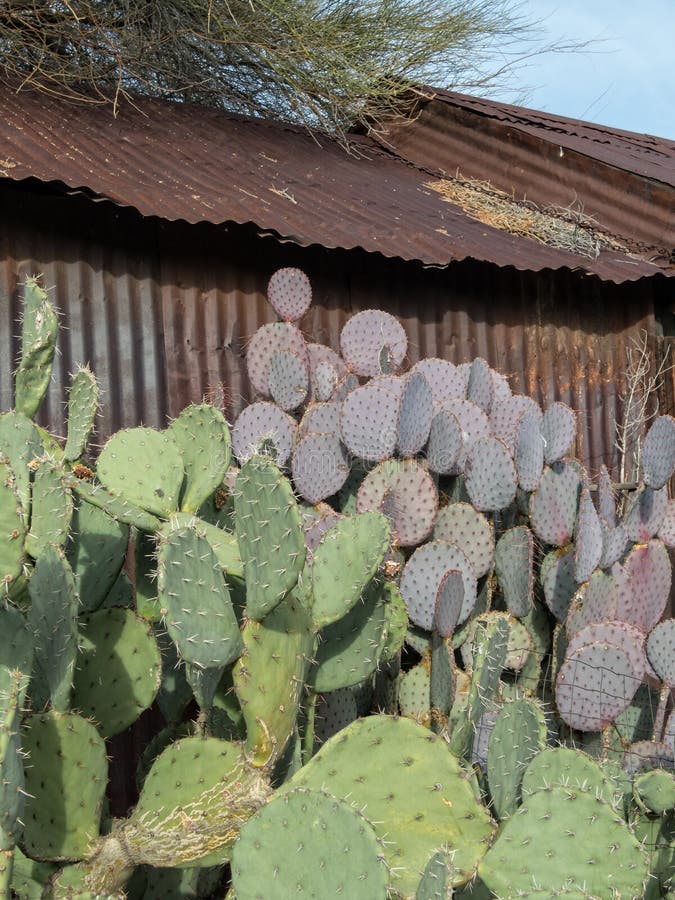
(162, 312)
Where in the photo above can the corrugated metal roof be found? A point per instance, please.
(177, 161)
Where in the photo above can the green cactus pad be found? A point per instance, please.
(565, 839)
(270, 535)
(65, 784)
(53, 621)
(428, 799)
(195, 798)
(223, 543)
(309, 843)
(96, 553)
(349, 555)
(20, 444)
(414, 693)
(192, 591)
(12, 779)
(569, 768)
(51, 510)
(349, 649)
(396, 622)
(270, 675)
(436, 880)
(118, 669)
(16, 651)
(82, 407)
(518, 735)
(117, 508)
(12, 529)
(203, 439)
(655, 790)
(144, 467)
(30, 878)
(38, 345)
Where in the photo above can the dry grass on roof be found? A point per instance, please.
(565, 228)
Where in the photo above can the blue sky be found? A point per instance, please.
(626, 80)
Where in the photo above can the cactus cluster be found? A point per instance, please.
(404, 645)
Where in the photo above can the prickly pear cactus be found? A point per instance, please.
(418, 542)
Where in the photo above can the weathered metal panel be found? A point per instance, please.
(180, 162)
(163, 311)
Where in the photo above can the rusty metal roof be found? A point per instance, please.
(181, 162)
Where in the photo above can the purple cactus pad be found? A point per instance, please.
(444, 379)
(449, 602)
(422, 576)
(667, 527)
(643, 585)
(410, 494)
(470, 530)
(658, 452)
(369, 420)
(288, 379)
(480, 387)
(259, 422)
(445, 446)
(588, 543)
(415, 415)
(320, 466)
(645, 513)
(529, 452)
(553, 506)
(661, 650)
(268, 340)
(289, 293)
(489, 474)
(505, 418)
(559, 429)
(364, 336)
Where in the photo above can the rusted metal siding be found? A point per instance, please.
(180, 162)
(163, 311)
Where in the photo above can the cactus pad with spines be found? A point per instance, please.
(514, 554)
(480, 387)
(12, 529)
(96, 552)
(566, 839)
(558, 429)
(658, 452)
(529, 449)
(38, 345)
(369, 417)
(195, 599)
(310, 843)
(20, 445)
(144, 467)
(461, 524)
(333, 367)
(268, 340)
(117, 671)
(349, 649)
(290, 293)
(445, 446)
(53, 621)
(444, 378)
(645, 513)
(410, 493)
(348, 557)
(365, 335)
(270, 675)
(588, 544)
(429, 800)
(288, 379)
(320, 466)
(320, 418)
(260, 423)
(414, 415)
(518, 735)
(594, 684)
(553, 506)
(51, 510)
(82, 408)
(643, 584)
(203, 438)
(270, 535)
(661, 650)
(422, 577)
(65, 784)
(489, 474)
